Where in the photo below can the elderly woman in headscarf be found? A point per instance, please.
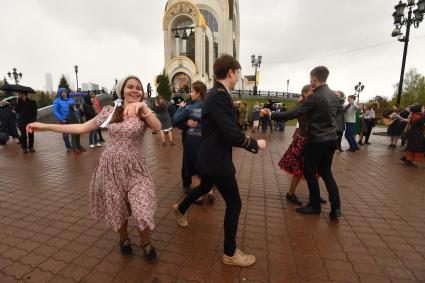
(121, 185)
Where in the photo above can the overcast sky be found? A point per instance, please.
(109, 38)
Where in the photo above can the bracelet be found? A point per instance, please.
(147, 115)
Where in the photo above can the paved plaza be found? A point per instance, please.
(47, 234)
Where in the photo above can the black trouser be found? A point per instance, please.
(186, 178)
(340, 134)
(99, 135)
(27, 139)
(318, 158)
(265, 122)
(228, 188)
(369, 126)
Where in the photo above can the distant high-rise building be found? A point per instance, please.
(48, 87)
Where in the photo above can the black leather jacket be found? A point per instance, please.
(321, 107)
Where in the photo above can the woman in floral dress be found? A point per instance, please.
(121, 185)
(292, 161)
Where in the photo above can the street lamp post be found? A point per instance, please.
(414, 17)
(358, 89)
(15, 75)
(76, 74)
(256, 63)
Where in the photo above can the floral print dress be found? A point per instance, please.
(121, 185)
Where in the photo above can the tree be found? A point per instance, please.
(63, 83)
(413, 88)
(164, 87)
(42, 99)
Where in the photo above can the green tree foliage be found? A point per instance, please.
(164, 87)
(63, 83)
(413, 88)
(42, 98)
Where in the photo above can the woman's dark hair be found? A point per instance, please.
(118, 116)
(159, 101)
(200, 88)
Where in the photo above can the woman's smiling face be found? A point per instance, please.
(133, 91)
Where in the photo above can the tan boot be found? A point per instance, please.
(180, 218)
(239, 258)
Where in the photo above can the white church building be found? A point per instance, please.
(196, 32)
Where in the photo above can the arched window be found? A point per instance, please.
(213, 25)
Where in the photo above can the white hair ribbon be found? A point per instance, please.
(117, 103)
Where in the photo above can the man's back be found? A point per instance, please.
(322, 117)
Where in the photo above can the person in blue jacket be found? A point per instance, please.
(61, 108)
(191, 116)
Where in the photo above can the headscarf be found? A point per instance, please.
(119, 102)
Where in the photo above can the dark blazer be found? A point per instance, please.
(220, 132)
(321, 107)
(27, 112)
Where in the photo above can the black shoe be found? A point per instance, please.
(367, 142)
(150, 252)
(308, 210)
(186, 189)
(125, 247)
(322, 200)
(390, 146)
(403, 159)
(25, 151)
(293, 198)
(410, 163)
(31, 150)
(335, 213)
(351, 150)
(394, 145)
(360, 143)
(211, 198)
(199, 201)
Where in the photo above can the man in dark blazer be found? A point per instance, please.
(220, 133)
(322, 142)
(27, 110)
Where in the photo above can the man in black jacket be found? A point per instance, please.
(27, 110)
(220, 133)
(321, 144)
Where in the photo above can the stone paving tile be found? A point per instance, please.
(47, 234)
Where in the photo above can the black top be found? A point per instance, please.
(27, 111)
(220, 132)
(321, 107)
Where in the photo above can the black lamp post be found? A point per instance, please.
(256, 63)
(399, 21)
(358, 89)
(15, 75)
(76, 74)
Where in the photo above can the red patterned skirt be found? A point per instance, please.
(292, 161)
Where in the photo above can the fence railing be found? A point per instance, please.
(264, 94)
(249, 94)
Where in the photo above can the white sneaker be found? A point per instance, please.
(239, 259)
(98, 144)
(180, 218)
(92, 145)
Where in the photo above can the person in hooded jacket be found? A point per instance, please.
(61, 108)
(75, 117)
(90, 113)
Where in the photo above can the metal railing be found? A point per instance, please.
(264, 94)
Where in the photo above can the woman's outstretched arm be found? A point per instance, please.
(76, 129)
